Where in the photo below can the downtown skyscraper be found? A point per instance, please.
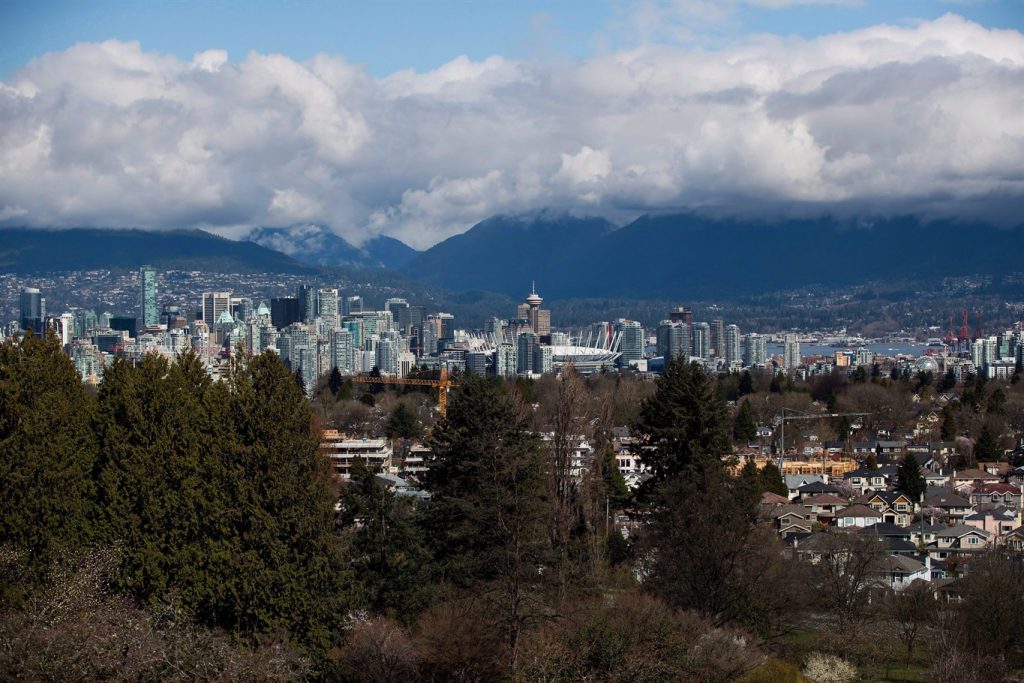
(147, 285)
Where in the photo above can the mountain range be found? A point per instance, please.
(318, 245)
(668, 257)
(34, 250)
(688, 256)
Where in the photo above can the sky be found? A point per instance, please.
(418, 119)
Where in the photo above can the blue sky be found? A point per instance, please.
(417, 119)
(389, 35)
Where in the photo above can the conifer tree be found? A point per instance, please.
(909, 479)
(949, 429)
(47, 451)
(402, 424)
(682, 425)
(987, 446)
(284, 566)
(745, 428)
(772, 481)
(490, 507)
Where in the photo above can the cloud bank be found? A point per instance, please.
(926, 118)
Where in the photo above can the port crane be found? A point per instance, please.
(781, 420)
(442, 384)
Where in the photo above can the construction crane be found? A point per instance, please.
(442, 385)
(782, 419)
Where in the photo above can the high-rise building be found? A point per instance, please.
(387, 357)
(754, 351)
(147, 283)
(527, 342)
(718, 338)
(791, 352)
(542, 360)
(631, 341)
(32, 310)
(352, 304)
(399, 313)
(307, 302)
(539, 319)
(447, 331)
(673, 340)
(681, 314)
(327, 306)
(505, 360)
(342, 350)
(732, 346)
(701, 342)
(214, 304)
(284, 311)
(476, 362)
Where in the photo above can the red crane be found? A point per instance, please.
(965, 332)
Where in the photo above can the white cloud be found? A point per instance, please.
(901, 118)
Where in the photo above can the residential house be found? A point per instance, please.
(792, 519)
(1007, 495)
(953, 507)
(966, 481)
(857, 516)
(995, 519)
(897, 572)
(795, 481)
(824, 505)
(896, 508)
(864, 479)
(959, 539)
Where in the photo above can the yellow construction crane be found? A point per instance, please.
(442, 385)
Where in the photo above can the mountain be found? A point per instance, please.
(690, 255)
(28, 250)
(317, 245)
(505, 253)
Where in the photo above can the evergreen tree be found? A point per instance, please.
(947, 382)
(871, 462)
(682, 425)
(387, 549)
(860, 375)
(283, 562)
(776, 385)
(614, 484)
(746, 385)
(949, 429)
(334, 381)
(772, 481)
(47, 451)
(490, 506)
(909, 478)
(844, 428)
(987, 448)
(745, 428)
(402, 424)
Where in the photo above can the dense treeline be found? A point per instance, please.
(171, 526)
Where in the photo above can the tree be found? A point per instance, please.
(772, 481)
(949, 430)
(704, 550)
(490, 505)
(871, 462)
(909, 478)
(746, 385)
(992, 612)
(844, 570)
(987, 447)
(909, 611)
(334, 381)
(682, 426)
(402, 424)
(947, 382)
(47, 451)
(387, 549)
(745, 428)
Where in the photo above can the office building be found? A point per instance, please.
(476, 362)
(214, 304)
(681, 314)
(446, 333)
(284, 311)
(525, 344)
(399, 309)
(33, 310)
(147, 283)
(505, 360)
(125, 323)
(352, 304)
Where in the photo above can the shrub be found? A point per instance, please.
(822, 668)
